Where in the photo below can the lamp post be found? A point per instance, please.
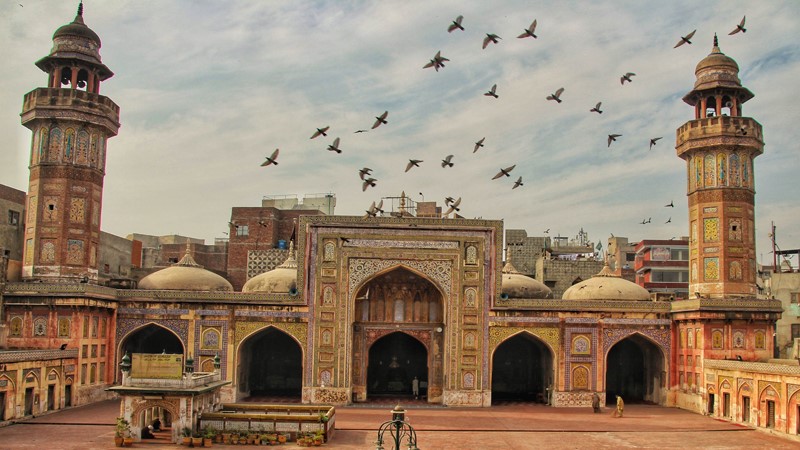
(398, 430)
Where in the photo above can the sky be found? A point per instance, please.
(208, 89)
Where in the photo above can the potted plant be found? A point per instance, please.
(234, 438)
(186, 432)
(282, 438)
(197, 439)
(318, 438)
(209, 433)
(122, 429)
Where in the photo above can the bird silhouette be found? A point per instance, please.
(320, 131)
(412, 163)
(370, 212)
(380, 120)
(456, 25)
(612, 138)
(379, 207)
(653, 142)
(685, 39)
(668, 221)
(492, 92)
(490, 37)
(447, 161)
(739, 27)
(335, 146)
(367, 183)
(63, 346)
(271, 159)
(478, 144)
(671, 204)
(506, 172)
(556, 95)
(360, 131)
(448, 200)
(643, 222)
(547, 231)
(453, 207)
(518, 183)
(364, 172)
(626, 77)
(437, 61)
(597, 108)
(529, 32)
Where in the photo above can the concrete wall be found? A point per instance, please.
(115, 257)
(12, 235)
(783, 285)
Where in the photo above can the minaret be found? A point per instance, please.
(719, 146)
(71, 122)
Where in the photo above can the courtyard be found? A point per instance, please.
(513, 426)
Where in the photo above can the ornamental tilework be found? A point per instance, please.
(722, 170)
(709, 167)
(177, 326)
(47, 255)
(202, 327)
(299, 331)
(711, 269)
(711, 229)
(260, 261)
(576, 355)
(734, 173)
(735, 271)
(74, 251)
(660, 336)
(77, 210)
(735, 229)
(396, 243)
(441, 272)
(497, 335)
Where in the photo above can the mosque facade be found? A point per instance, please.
(364, 306)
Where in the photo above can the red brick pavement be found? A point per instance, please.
(502, 427)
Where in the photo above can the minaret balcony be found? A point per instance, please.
(70, 104)
(700, 134)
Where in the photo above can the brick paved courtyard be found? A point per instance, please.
(503, 427)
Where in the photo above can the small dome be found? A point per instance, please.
(517, 285)
(606, 286)
(77, 29)
(280, 280)
(716, 70)
(185, 275)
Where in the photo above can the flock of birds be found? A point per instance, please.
(438, 62)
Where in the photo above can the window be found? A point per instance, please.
(242, 230)
(795, 331)
(85, 351)
(13, 217)
(94, 350)
(679, 254)
(101, 372)
(669, 277)
(103, 351)
(85, 326)
(84, 369)
(795, 297)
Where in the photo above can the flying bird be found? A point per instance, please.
(653, 142)
(448, 200)
(597, 108)
(492, 92)
(412, 163)
(557, 95)
(518, 183)
(379, 207)
(739, 27)
(367, 183)
(670, 205)
(371, 212)
(453, 207)
(490, 37)
(506, 172)
(612, 138)
(456, 25)
(320, 131)
(626, 77)
(271, 159)
(380, 120)
(529, 32)
(547, 231)
(685, 39)
(364, 172)
(478, 144)
(668, 221)
(360, 131)
(335, 146)
(437, 61)
(447, 162)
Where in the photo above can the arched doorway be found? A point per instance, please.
(394, 361)
(270, 365)
(151, 338)
(522, 370)
(400, 313)
(634, 371)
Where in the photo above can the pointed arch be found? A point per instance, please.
(360, 286)
(522, 368)
(269, 361)
(10, 382)
(635, 368)
(399, 293)
(394, 360)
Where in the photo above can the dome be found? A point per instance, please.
(606, 286)
(517, 285)
(77, 29)
(716, 70)
(280, 280)
(185, 275)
